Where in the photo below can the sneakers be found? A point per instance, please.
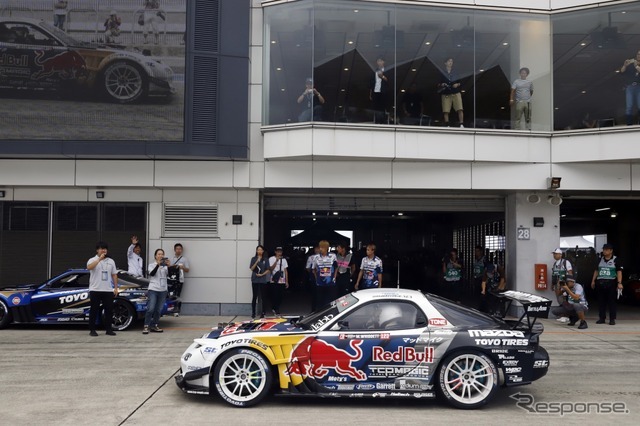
(156, 329)
(563, 319)
(601, 321)
(93, 333)
(612, 322)
(583, 325)
(145, 330)
(110, 333)
(462, 125)
(572, 322)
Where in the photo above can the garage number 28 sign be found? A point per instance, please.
(524, 233)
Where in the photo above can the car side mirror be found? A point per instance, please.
(421, 322)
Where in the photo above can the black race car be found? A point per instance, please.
(379, 343)
(37, 56)
(64, 299)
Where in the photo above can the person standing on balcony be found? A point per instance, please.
(378, 91)
(520, 99)
(60, 9)
(449, 89)
(631, 72)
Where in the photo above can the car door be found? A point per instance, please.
(380, 346)
(64, 299)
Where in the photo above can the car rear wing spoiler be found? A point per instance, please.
(534, 306)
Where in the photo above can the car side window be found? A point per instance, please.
(72, 281)
(382, 316)
(27, 34)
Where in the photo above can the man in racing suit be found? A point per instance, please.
(370, 270)
(324, 269)
(607, 279)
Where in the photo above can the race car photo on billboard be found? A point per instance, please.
(36, 56)
(376, 343)
(64, 299)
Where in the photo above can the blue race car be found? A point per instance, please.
(65, 299)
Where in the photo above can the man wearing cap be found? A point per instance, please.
(279, 279)
(606, 281)
(576, 304)
(311, 101)
(112, 27)
(560, 268)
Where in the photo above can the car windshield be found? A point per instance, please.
(320, 317)
(61, 35)
(462, 316)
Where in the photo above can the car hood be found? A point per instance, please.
(264, 325)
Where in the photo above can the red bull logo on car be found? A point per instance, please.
(67, 65)
(402, 354)
(314, 358)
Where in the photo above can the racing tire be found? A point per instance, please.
(5, 315)
(242, 377)
(123, 315)
(124, 82)
(467, 380)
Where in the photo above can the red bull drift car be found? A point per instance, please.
(379, 343)
(37, 56)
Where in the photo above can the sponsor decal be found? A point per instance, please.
(73, 311)
(381, 336)
(365, 386)
(245, 341)
(336, 379)
(385, 386)
(510, 363)
(15, 300)
(409, 340)
(442, 332)
(209, 350)
(513, 370)
(70, 298)
(343, 387)
(525, 351)
(322, 321)
(503, 342)
(502, 356)
(537, 308)
(413, 386)
(385, 371)
(424, 395)
(499, 351)
(356, 395)
(496, 333)
(400, 394)
(402, 354)
(514, 379)
(326, 357)
(541, 363)
(438, 322)
(63, 319)
(429, 340)
(379, 395)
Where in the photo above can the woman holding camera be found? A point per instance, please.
(259, 279)
(157, 294)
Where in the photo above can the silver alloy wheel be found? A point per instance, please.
(123, 82)
(469, 379)
(242, 377)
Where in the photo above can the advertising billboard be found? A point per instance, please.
(92, 70)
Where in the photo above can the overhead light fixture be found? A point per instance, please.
(553, 182)
(313, 213)
(400, 214)
(554, 200)
(99, 194)
(335, 213)
(603, 209)
(614, 214)
(533, 198)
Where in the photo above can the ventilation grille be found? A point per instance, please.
(207, 26)
(179, 220)
(205, 100)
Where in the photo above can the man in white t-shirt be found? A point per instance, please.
(278, 266)
(103, 286)
(520, 98)
(134, 261)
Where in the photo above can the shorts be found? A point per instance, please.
(449, 100)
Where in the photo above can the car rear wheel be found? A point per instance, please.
(468, 380)
(242, 377)
(5, 315)
(123, 315)
(124, 82)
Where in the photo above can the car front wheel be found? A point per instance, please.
(5, 315)
(468, 380)
(123, 315)
(242, 377)
(124, 82)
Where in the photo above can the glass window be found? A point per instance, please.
(590, 48)
(382, 316)
(408, 65)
